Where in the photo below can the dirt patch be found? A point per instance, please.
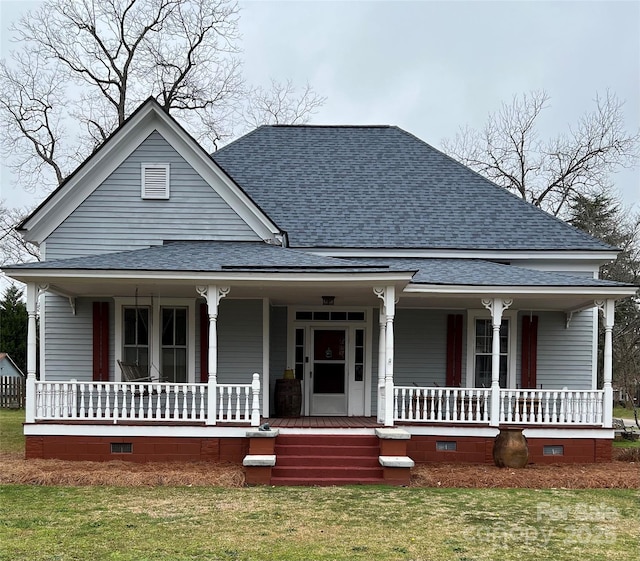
(614, 475)
(14, 469)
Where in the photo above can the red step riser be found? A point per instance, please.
(326, 440)
(324, 482)
(350, 472)
(310, 450)
(327, 461)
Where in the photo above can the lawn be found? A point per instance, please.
(623, 412)
(180, 523)
(11, 437)
(198, 523)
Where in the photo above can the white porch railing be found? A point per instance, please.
(159, 402)
(473, 405)
(441, 405)
(552, 407)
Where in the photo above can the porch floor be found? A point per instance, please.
(323, 422)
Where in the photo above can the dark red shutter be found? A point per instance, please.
(101, 341)
(529, 351)
(204, 343)
(454, 350)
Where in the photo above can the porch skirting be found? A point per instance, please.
(143, 448)
(451, 444)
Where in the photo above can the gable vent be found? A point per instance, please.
(155, 181)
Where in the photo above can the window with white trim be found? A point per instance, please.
(173, 361)
(135, 341)
(155, 181)
(480, 345)
(483, 348)
(158, 334)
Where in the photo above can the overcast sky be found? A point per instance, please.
(431, 67)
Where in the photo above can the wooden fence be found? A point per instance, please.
(12, 392)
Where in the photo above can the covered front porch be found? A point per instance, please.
(421, 341)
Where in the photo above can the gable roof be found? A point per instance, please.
(381, 187)
(149, 117)
(5, 357)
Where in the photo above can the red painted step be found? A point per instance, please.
(326, 460)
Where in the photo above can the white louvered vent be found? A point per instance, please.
(155, 181)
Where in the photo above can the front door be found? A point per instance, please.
(328, 373)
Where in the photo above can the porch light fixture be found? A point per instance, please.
(328, 300)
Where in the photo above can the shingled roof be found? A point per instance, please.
(381, 187)
(231, 257)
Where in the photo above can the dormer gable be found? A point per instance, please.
(154, 178)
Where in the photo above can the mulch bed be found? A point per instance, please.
(14, 469)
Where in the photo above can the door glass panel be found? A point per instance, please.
(329, 345)
(328, 377)
(299, 358)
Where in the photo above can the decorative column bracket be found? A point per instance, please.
(220, 292)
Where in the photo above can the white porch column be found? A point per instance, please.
(32, 307)
(382, 355)
(387, 312)
(496, 306)
(607, 307)
(212, 294)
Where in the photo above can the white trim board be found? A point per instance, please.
(122, 431)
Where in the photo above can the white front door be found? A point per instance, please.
(328, 371)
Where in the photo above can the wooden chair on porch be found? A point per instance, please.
(133, 373)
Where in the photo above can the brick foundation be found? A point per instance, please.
(422, 450)
(144, 449)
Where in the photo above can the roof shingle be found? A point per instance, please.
(381, 187)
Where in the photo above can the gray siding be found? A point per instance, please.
(115, 218)
(421, 347)
(277, 349)
(69, 339)
(565, 356)
(239, 340)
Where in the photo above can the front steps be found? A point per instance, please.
(327, 459)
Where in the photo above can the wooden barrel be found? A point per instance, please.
(510, 449)
(288, 398)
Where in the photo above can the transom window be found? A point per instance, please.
(322, 315)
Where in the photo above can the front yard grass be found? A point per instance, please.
(623, 412)
(189, 523)
(173, 523)
(11, 437)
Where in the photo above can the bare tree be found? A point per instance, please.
(13, 249)
(280, 105)
(604, 217)
(548, 172)
(93, 63)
